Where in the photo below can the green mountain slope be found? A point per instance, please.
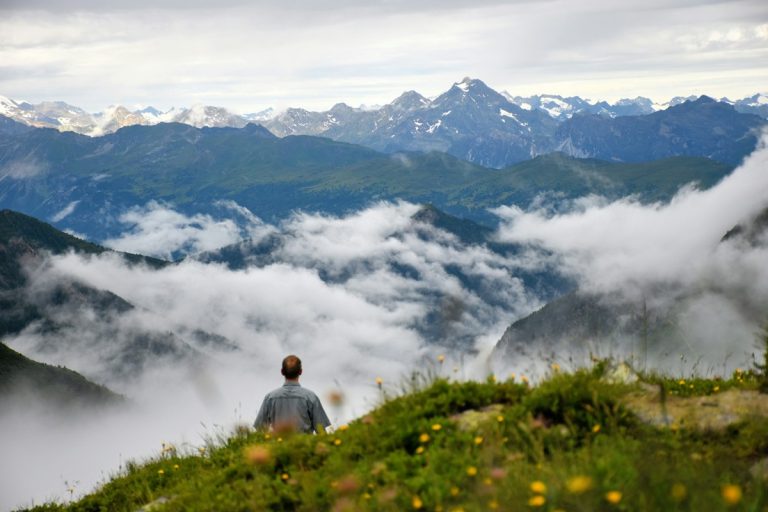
(53, 312)
(94, 180)
(25, 240)
(23, 379)
(581, 441)
(571, 178)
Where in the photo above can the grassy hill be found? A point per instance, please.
(591, 440)
(57, 386)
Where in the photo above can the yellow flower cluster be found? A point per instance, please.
(539, 488)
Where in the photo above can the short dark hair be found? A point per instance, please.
(291, 367)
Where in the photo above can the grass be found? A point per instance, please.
(567, 443)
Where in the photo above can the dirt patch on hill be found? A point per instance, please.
(712, 412)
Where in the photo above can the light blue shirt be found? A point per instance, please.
(293, 405)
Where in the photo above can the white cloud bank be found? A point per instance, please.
(162, 232)
(626, 243)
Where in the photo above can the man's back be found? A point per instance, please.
(292, 406)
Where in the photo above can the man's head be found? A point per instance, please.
(291, 367)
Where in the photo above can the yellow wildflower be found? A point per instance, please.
(596, 429)
(424, 438)
(454, 491)
(417, 503)
(731, 494)
(419, 450)
(479, 440)
(500, 419)
(538, 487)
(537, 501)
(441, 358)
(343, 427)
(337, 441)
(437, 427)
(471, 471)
(284, 476)
(578, 484)
(160, 472)
(613, 497)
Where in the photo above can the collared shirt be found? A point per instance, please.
(293, 405)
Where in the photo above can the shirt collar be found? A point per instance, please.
(287, 383)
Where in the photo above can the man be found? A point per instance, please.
(292, 407)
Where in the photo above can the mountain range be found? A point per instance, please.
(85, 184)
(470, 120)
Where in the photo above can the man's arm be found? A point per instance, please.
(263, 418)
(317, 415)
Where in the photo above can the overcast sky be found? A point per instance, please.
(248, 56)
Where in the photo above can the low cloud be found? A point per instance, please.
(22, 169)
(626, 243)
(157, 230)
(65, 212)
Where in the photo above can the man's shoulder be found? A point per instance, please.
(308, 393)
(274, 393)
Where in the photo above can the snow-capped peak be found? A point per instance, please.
(262, 115)
(465, 83)
(7, 106)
